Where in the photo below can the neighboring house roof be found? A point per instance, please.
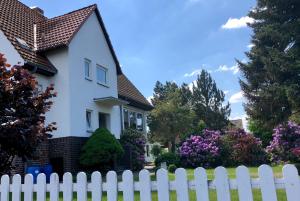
(17, 21)
(129, 92)
(237, 123)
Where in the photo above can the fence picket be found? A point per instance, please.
(28, 188)
(244, 184)
(268, 189)
(292, 182)
(128, 188)
(182, 188)
(16, 188)
(4, 188)
(81, 186)
(112, 186)
(162, 185)
(41, 187)
(222, 184)
(201, 184)
(145, 185)
(54, 187)
(96, 185)
(67, 187)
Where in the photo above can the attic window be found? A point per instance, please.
(22, 43)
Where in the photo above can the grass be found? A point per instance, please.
(212, 193)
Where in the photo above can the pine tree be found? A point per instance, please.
(271, 77)
(208, 102)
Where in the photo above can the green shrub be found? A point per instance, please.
(100, 151)
(169, 158)
(156, 150)
(172, 168)
(136, 142)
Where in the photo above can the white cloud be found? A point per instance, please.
(195, 72)
(225, 68)
(250, 46)
(237, 97)
(235, 23)
(226, 92)
(149, 99)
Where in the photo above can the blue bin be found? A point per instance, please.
(47, 170)
(34, 171)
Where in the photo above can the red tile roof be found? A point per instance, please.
(129, 92)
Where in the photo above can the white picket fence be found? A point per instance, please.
(201, 185)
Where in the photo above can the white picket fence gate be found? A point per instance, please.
(201, 185)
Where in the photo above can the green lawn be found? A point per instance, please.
(234, 194)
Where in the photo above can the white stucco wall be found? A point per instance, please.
(89, 43)
(60, 111)
(11, 54)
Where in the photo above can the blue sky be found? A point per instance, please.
(171, 40)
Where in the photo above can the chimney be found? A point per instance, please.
(37, 9)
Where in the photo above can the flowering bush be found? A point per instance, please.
(242, 148)
(202, 150)
(136, 142)
(285, 146)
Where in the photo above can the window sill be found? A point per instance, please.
(104, 85)
(89, 131)
(88, 78)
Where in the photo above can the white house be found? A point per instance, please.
(73, 52)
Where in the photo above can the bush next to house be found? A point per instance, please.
(135, 141)
(156, 150)
(169, 158)
(285, 146)
(241, 148)
(201, 150)
(100, 151)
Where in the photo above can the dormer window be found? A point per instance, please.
(23, 43)
(87, 69)
(102, 75)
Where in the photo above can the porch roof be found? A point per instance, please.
(110, 101)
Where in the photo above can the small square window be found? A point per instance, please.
(89, 120)
(87, 69)
(101, 75)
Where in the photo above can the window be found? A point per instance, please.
(132, 117)
(126, 119)
(87, 69)
(139, 122)
(89, 120)
(101, 75)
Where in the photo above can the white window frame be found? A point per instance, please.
(89, 129)
(106, 75)
(89, 77)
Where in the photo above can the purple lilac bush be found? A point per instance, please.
(202, 150)
(285, 146)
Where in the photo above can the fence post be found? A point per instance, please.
(222, 184)
(128, 187)
(162, 185)
(145, 185)
(182, 188)
(16, 188)
(201, 184)
(28, 188)
(81, 186)
(54, 187)
(112, 186)
(96, 186)
(244, 184)
(41, 187)
(4, 189)
(267, 185)
(292, 182)
(67, 187)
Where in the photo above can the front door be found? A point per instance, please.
(102, 120)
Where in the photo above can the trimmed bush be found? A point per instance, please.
(285, 146)
(136, 142)
(172, 168)
(156, 150)
(100, 151)
(201, 150)
(169, 158)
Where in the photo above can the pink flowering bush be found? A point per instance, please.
(285, 146)
(202, 150)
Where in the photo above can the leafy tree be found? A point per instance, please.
(22, 114)
(258, 130)
(208, 102)
(271, 76)
(170, 119)
(163, 91)
(100, 151)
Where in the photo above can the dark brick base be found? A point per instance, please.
(63, 153)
